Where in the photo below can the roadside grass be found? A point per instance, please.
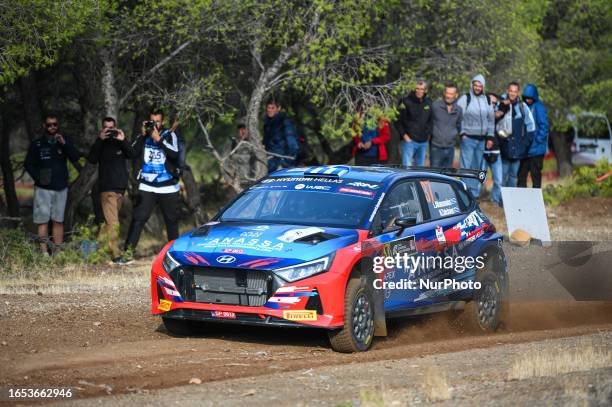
(76, 279)
(587, 355)
(382, 397)
(435, 385)
(81, 264)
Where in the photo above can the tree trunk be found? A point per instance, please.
(31, 105)
(89, 175)
(254, 108)
(252, 123)
(193, 201)
(8, 181)
(111, 100)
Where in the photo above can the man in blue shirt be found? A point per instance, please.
(534, 161)
(280, 138)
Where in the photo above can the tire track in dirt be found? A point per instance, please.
(130, 352)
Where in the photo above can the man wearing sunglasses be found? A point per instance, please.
(46, 162)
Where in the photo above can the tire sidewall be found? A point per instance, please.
(352, 297)
(489, 278)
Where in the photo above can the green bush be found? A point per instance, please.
(582, 184)
(20, 254)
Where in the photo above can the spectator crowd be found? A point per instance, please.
(505, 133)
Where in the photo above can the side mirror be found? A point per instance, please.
(405, 222)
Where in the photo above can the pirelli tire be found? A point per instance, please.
(358, 331)
(490, 306)
(181, 327)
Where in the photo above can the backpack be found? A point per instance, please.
(468, 99)
(181, 161)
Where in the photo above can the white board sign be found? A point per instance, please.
(524, 209)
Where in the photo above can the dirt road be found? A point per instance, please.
(109, 344)
(101, 339)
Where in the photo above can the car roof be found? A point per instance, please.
(380, 174)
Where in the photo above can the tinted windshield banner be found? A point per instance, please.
(337, 185)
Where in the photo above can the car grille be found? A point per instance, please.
(231, 286)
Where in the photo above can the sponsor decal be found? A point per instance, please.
(235, 251)
(363, 185)
(223, 314)
(164, 305)
(225, 259)
(448, 211)
(313, 187)
(356, 191)
(440, 235)
(243, 243)
(251, 234)
(404, 245)
(304, 180)
(261, 227)
(305, 315)
(447, 202)
(295, 234)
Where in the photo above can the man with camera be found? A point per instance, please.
(111, 151)
(46, 164)
(159, 178)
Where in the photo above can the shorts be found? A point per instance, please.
(49, 204)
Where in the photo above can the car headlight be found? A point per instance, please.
(170, 263)
(304, 270)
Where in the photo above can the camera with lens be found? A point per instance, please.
(149, 126)
(113, 133)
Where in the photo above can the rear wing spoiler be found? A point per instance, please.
(480, 175)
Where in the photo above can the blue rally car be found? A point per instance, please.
(340, 248)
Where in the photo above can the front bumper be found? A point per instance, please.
(241, 319)
(317, 301)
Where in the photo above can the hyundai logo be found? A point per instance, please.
(226, 259)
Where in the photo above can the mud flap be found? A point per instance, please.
(378, 296)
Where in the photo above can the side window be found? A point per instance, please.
(441, 199)
(466, 201)
(402, 201)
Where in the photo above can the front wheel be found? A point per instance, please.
(358, 331)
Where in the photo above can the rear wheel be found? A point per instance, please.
(181, 327)
(358, 331)
(490, 306)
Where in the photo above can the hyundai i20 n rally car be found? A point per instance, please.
(318, 247)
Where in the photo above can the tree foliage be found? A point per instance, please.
(34, 31)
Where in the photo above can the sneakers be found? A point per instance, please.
(122, 261)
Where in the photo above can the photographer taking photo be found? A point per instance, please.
(159, 178)
(111, 152)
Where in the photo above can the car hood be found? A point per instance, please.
(258, 246)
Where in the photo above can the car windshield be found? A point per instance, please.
(301, 207)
